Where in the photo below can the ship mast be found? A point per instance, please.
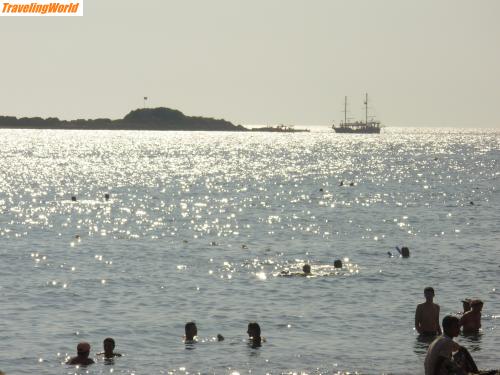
(366, 109)
(345, 110)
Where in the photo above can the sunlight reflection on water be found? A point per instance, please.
(199, 226)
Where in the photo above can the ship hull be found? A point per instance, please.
(357, 131)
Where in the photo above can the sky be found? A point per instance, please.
(423, 62)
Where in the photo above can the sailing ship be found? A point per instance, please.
(358, 127)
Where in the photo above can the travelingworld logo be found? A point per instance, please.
(42, 8)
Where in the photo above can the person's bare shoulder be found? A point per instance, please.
(466, 316)
(420, 306)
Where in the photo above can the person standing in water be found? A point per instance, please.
(427, 315)
(109, 347)
(82, 359)
(471, 320)
(254, 335)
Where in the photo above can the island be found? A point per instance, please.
(140, 119)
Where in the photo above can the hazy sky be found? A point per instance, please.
(424, 63)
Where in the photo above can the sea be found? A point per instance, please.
(199, 227)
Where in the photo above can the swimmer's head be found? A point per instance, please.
(451, 326)
(190, 330)
(337, 263)
(73, 198)
(106, 196)
(306, 269)
(429, 293)
(253, 329)
(405, 252)
(83, 349)
(108, 344)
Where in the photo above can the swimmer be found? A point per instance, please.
(191, 331)
(109, 347)
(82, 359)
(306, 269)
(341, 183)
(471, 320)
(351, 184)
(73, 198)
(220, 337)
(404, 251)
(254, 335)
(427, 315)
(106, 196)
(285, 273)
(321, 190)
(337, 263)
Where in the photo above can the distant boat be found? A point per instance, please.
(357, 127)
(280, 129)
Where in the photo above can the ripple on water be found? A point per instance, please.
(200, 224)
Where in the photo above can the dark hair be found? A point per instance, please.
(110, 340)
(449, 321)
(189, 326)
(306, 268)
(254, 328)
(429, 289)
(337, 263)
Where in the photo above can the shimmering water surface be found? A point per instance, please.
(200, 224)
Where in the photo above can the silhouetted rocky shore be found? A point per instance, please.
(139, 119)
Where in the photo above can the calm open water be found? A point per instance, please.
(198, 226)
